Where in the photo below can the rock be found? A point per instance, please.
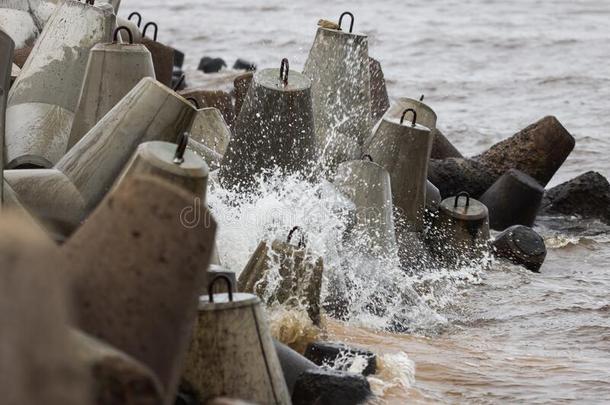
(538, 150)
(293, 364)
(211, 65)
(116, 377)
(514, 199)
(587, 196)
(442, 148)
(380, 101)
(328, 387)
(522, 246)
(454, 175)
(241, 64)
(341, 356)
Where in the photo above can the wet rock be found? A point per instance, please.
(442, 148)
(241, 64)
(293, 364)
(587, 196)
(329, 387)
(341, 356)
(513, 199)
(211, 65)
(454, 175)
(116, 377)
(380, 101)
(521, 245)
(538, 150)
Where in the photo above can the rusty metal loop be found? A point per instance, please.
(124, 28)
(421, 98)
(153, 24)
(194, 102)
(462, 194)
(351, 25)
(284, 70)
(182, 141)
(301, 243)
(136, 14)
(179, 83)
(213, 282)
(367, 156)
(402, 118)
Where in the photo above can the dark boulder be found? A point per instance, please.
(329, 387)
(211, 65)
(241, 64)
(340, 356)
(521, 245)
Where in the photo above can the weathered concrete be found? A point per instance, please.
(44, 97)
(299, 270)
(232, 352)
(212, 158)
(338, 66)
(112, 71)
(219, 288)
(133, 28)
(380, 102)
(461, 230)
(7, 47)
(341, 356)
(213, 98)
(15, 71)
(433, 197)
(403, 149)
(275, 128)
(522, 246)
(21, 56)
(116, 377)
(587, 196)
(37, 364)
(149, 112)
(329, 387)
(442, 148)
(514, 199)
(140, 293)
(293, 364)
(367, 184)
(162, 55)
(17, 22)
(454, 175)
(241, 85)
(538, 150)
(209, 128)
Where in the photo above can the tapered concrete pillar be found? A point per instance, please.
(7, 47)
(461, 231)
(152, 246)
(514, 199)
(367, 184)
(403, 147)
(338, 66)
(162, 55)
(213, 99)
(275, 129)
(38, 364)
(44, 97)
(212, 158)
(149, 112)
(241, 85)
(442, 148)
(232, 353)
(522, 246)
(210, 129)
(380, 102)
(112, 71)
(538, 150)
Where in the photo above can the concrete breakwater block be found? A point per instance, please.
(299, 272)
(140, 293)
(587, 196)
(338, 66)
(402, 146)
(514, 199)
(380, 102)
(112, 71)
(232, 353)
(275, 129)
(21, 55)
(212, 158)
(218, 99)
(7, 69)
(241, 85)
(538, 150)
(453, 175)
(442, 148)
(38, 364)
(341, 356)
(162, 55)
(293, 364)
(210, 129)
(43, 99)
(116, 378)
(17, 22)
(329, 387)
(522, 246)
